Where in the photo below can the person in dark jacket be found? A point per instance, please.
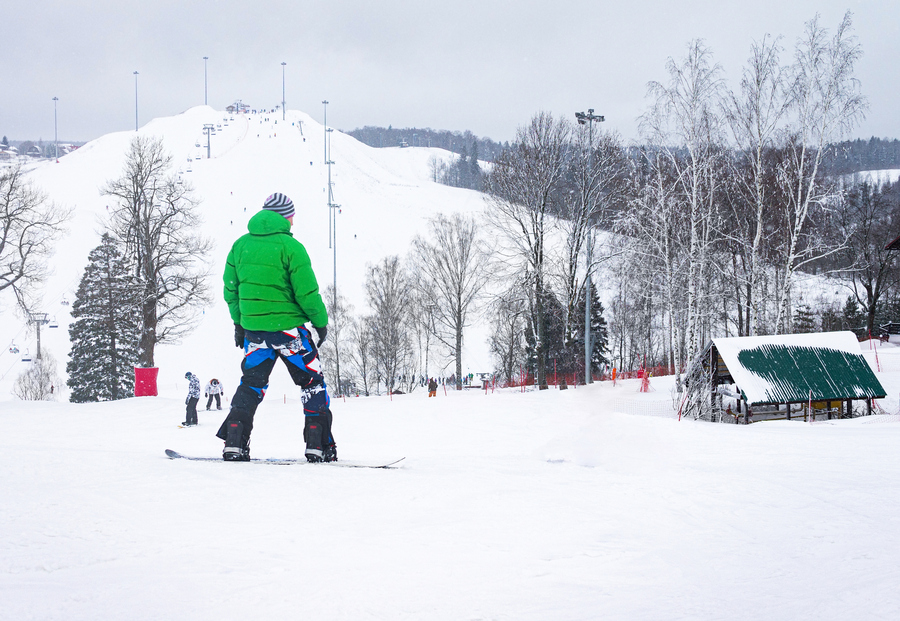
(192, 399)
(432, 387)
(272, 292)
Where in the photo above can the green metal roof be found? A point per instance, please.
(796, 373)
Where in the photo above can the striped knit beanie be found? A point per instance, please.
(279, 203)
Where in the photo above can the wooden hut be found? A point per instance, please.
(820, 374)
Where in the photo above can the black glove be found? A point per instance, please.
(238, 336)
(322, 333)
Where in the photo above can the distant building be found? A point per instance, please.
(238, 107)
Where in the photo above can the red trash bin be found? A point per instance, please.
(145, 381)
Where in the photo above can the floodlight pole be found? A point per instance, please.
(589, 120)
(135, 102)
(55, 132)
(282, 91)
(205, 83)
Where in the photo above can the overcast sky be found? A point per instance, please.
(480, 65)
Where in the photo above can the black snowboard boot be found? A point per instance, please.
(320, 444)
(236, 447)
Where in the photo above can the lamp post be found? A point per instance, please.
(205, 83)
(55, 133)
(282, 91)
(135, 102)
(588, 119)
(325, 124)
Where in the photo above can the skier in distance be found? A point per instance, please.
(272, 292)
(192, 399)
(214, 390)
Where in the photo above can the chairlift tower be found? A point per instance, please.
(588, 119)
(333, 211)
(38, 319)
(209, 128)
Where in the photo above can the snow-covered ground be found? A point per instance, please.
(509, 505)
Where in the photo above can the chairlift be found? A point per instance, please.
(64, 302)
(13, 349)
(188, 170)
(197, 144)
(53, 323)
(26, 357)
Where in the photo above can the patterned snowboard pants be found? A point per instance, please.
(296, 349)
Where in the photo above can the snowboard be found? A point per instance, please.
(390, 465)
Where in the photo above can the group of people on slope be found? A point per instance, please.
(214, 390)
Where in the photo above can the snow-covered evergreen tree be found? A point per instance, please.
(599, 335)
(106, 329)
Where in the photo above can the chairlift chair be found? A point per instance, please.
(53, 323)
(13, 349)
(26, 357)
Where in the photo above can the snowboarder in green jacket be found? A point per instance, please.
(272, 293)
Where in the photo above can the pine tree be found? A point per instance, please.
(106, 329)
(853, 318)
(599, 335)
(474, 169)
(804, 321)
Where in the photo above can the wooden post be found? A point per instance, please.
(747, 415)
(869, 406)
(788, 406)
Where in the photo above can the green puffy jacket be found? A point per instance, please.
(269, 281)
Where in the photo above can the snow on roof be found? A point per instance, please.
(792, 368)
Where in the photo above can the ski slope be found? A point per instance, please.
(526, 506)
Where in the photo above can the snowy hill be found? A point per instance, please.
(509, 505)
(386, 195)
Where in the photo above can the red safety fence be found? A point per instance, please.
(526, 378)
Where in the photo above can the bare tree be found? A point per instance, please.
(388, 291)
(39, 381)
(451, 272)
(866, 217)
(156, 218)
(755, 116)
(360, 353)
(335, 347)
(29, 224)
(826, 104)
(684, 126)
(507, 338)
(521, 190)
(655, 263)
